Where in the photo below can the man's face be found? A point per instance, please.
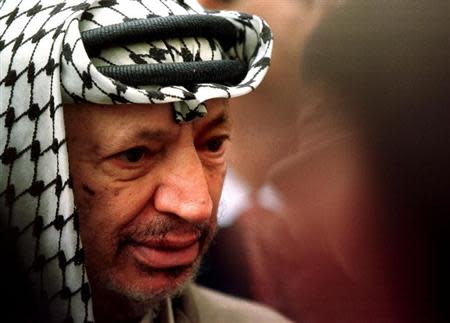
(147, 191)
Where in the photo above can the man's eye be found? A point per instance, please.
(132, 155)
(215, 144)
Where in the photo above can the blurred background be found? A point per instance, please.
(336, 202)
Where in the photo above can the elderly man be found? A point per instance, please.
(115, 90)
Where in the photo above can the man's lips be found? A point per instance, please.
(172, 250)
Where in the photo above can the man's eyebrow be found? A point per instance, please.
(140, 135)
(222, 118)
(146, 134)
(125, 139)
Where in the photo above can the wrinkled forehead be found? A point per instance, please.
(132, 115)
(157, 52)
(99, 126)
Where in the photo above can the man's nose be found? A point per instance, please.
(183, 189)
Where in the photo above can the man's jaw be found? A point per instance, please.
(176, 279)
(168, 260)
(130, 302)
(156, 267)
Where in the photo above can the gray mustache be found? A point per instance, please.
(159, 228)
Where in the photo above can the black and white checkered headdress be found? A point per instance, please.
(108, 52)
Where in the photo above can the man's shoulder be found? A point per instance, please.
(215, 307)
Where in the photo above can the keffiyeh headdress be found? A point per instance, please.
(107, 52)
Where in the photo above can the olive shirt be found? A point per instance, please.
(201, 305)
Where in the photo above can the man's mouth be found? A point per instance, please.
(172, 250)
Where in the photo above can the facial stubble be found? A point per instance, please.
(140, 302)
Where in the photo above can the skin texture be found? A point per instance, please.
(147, 191)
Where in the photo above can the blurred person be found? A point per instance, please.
(265, 120)
(364, 236)
(265, 132)
(116, 125)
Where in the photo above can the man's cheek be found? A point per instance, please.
(85, 196)
(215, 182)
(95, 202)
(94, 211)
(88, 190)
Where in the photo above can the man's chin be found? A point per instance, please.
(149, 286)
(147, 273)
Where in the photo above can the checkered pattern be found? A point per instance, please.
(43, 65)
